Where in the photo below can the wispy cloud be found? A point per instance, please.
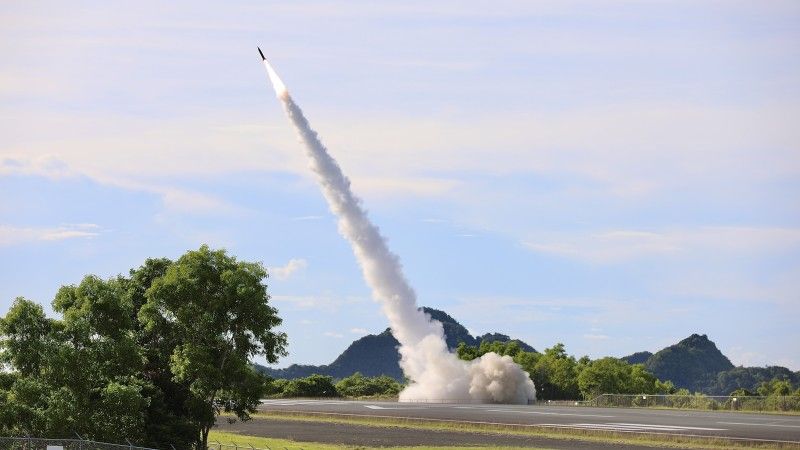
(359, 330)
(284, 272)
(175, 199)
(20, 235)
(596, 337)
(618, 246)
(333, 334)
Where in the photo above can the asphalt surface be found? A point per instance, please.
(360, 435)
(627, 420)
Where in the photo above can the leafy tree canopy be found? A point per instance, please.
(153, 357)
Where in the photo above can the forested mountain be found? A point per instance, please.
(637, 358)
(691, 363)
(694, 363)
(374, 355)
(749, 378)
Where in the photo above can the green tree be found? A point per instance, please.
(740, 392)
(152, 357)
(24, 332)
(166, 422)
(615, 376)
(357, 385)
(216, 309)
(466, 352)
(556, 374)
(775, 387)
(311, 386)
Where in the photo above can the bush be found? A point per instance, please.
(310, 386)
(358, 385)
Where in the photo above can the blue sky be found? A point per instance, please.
(610, 175)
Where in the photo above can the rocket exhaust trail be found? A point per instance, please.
(435, 372)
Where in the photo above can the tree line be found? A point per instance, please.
(354, 386)
(153, 357)
(559, 376)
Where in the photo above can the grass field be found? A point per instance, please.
(244, 443)
(608, 437)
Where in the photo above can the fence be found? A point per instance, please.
(28, 443)
(705, 402)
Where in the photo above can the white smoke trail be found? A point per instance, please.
(435, 372)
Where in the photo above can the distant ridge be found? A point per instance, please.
(694, 363)
(376, 354)
(637, 358)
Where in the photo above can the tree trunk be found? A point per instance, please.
(204, 437)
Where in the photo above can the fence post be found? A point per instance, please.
(80, 440)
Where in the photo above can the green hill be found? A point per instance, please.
(376, 354)
(637, 358)
(691, 363)
(694, 363)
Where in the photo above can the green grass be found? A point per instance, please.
(264, 442)
(609, 437)
(281, 444)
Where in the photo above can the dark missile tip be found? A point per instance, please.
(263, 58)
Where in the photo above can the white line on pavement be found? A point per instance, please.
(761, 424)
(632, 427)
(668, 427)
(515, 411)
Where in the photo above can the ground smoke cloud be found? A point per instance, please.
(436, 374)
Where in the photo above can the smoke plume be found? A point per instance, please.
(434, 372)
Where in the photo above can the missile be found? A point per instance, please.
(280, 88)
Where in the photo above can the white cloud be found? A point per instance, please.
(45, 165)
(618, 246)
(174, 198)
(596, 337)
(631, 150)
(284, 272)
(359, 331)
(333, 334)
(20, 235)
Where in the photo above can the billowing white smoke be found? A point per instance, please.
(435, 372)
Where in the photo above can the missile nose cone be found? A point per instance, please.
(280, 88)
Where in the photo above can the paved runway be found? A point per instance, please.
(706, 423)
(352, 435)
